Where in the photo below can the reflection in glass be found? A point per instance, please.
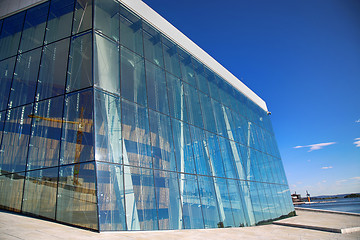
(223, 198)
(202, 82)
(193, 106)
(156, 88)
(34, 27)
(162, 141)
(201, 154)
(10, 35)
(59, 20)
(6, 74)
(168, 200)
(106, 64)
(53, 70)
(136, 135)
(106, 19)
(207, 112)
(82, 16)
(14, 146)
(189, 191)
(140, 199)
(217, 166)
(44, 143)
(77, 141)
(171, 57)
(131, 31)
(152, 45)
(133, 84)
(10, 197)
(40, 192)
(79, 70)
(25, 77)
(187, 70)
(108, 144)
(176, 95)
(76, 199)
(110, 190)
(237, 198)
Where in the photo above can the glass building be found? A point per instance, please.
(110, 121)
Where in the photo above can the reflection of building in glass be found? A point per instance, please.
(110, 124)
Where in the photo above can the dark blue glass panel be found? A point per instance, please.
(202, 82)
(82, 16)
(136, 135)
(59, 20)
(110, 191)
(52, 74)
(131, 34)
(10, 35)
(222, 120)
(187, 70)
(152, 45)
(6, 74)
(183, 147)
(76, 199)
(25, 77)
(202, 158)
(171, 57)
(207, 112)
(14, 146)
(44, 143)
(77, 139)
(209, 202)
(140, 199)
(106, 19)
(156, 88)
(176, 96)
(40, 192)
(162, 141)
(189, 191)
(193, 106)
(168, 200)
(34, 27)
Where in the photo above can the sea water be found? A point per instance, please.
(351, 205)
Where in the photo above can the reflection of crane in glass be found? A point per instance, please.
(79, 136)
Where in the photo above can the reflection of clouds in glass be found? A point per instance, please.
(316, 146)
(357, 142)
(358, 121)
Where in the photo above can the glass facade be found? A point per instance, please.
(107, 124)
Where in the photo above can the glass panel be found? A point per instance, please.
(222, 120)
(136, 135)
(80, 66)
(217, 166)
(25, 77)
(82, 16)
(40, 192)
(10, 35)
(45, 134)
(6, 74)
(133, 83)
(213, 82)
(193, 106)
(76, 200)
(156, 88)
(171, 57)
(110, 189)
(225, 211)
(152, 45)
(187, 70)
(106, 64)
(183, 147)
(131, 35)
(207, 112)
(202, 84)
(53, 70)
(189, 192)
(108, 128)
(34, 27)
(2, 123)
(59, 20)
(255, 202)
(176, 98)
(162, 142)
(230, 154)
(77, 143)
(237, 204)
(14, 146)
(140, 199)
(202, 158)
(106, 19)
(10, 197)
(168, 200)
(209, 203)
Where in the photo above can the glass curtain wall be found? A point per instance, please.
(108, 124)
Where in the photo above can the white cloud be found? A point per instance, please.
(329, 167)
(357, 142)
(341, 181)
(355, 178)
(316, 146)
(358, 121)
(324, 181)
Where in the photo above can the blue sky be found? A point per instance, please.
(303, 59)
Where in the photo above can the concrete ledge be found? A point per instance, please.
(326, 211)
(325, 229)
